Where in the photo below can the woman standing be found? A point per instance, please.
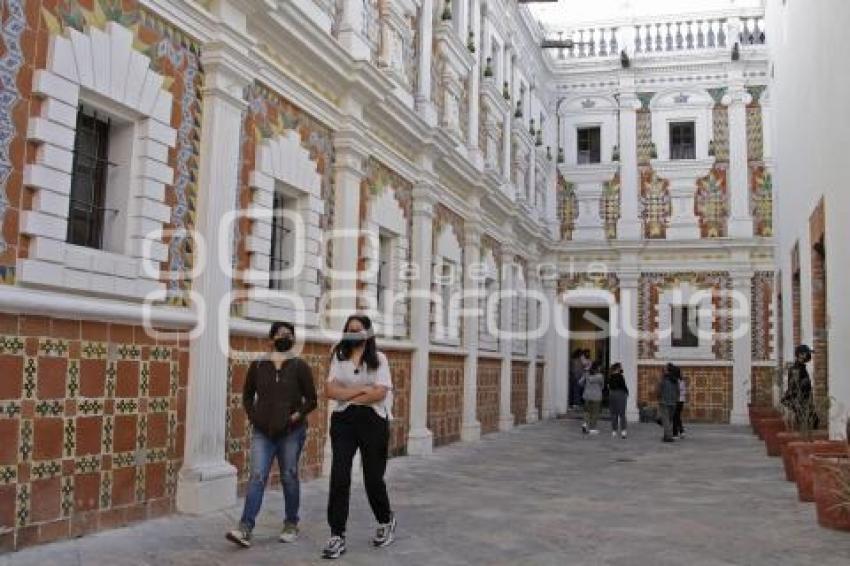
(618, 395)
(360, 383)
(592, 381)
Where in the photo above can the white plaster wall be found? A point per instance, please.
(810, 136)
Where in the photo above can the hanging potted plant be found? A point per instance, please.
(832, 488)
(506, 91)
(539, 141)
(615, 153)
(531, 130)
(447, 11)
(488, 68)
(653, 151)
(470, 41)
(561, 157)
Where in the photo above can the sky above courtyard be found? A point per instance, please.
(567, 13)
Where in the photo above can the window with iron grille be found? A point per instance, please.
(682, 140)
(685, 327)
(589, 145)
(89, 180)
(384, 281)
(283, 244)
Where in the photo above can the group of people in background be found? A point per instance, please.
(588, 386)
(279, 394)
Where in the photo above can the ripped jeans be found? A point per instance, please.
(287, 449)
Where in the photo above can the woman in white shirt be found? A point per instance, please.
(360, 383)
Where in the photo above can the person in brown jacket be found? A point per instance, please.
(278, 395)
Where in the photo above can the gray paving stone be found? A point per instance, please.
(541, 495)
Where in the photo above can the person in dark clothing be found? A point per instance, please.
(668, 396)
(678, 427)
(618, 395)
(576, 371)
(359, 381)
(278, 395)
(798, 395)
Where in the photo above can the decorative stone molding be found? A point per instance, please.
(683, 175)
(682, 106)
(284, 166)
(589, 112)
(589, 181)
(695, 297)
(105, 70)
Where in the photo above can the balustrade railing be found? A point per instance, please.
(675, 34)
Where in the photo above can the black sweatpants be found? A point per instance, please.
(358, 427)
(677, 419)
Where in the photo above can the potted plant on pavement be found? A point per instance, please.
(801, 421)
(832, 488)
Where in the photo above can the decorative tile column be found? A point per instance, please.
(629, 225)
(589, 181)
(628, 330)
(506, 419)
(207, 482)
(736, 99)
(550, 371)
(424, 103)
(683, 175)
(420, 440)
(349, 156)
(742, 340)
(351, 29)
(533, 323)
(471, 428)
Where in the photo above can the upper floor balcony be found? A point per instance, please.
(663, 35)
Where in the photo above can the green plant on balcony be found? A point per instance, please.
(615, 153)
(653, 151)
(488, 68)
(447, 11)
(539, 141)
(506, 91)
(561, 157)
(470, 41)
(518, 113)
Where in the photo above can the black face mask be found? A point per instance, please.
(352, 342)
(283, 344)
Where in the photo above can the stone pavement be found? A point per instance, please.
(541, 494)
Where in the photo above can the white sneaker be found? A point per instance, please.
(614, 433)
(594, 431)
(623, 434)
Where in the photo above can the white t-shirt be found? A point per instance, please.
(346, 374)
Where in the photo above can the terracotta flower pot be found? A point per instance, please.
(770, 428)
(759, 424)
(788, 438)
(802, 461)
(832, 491)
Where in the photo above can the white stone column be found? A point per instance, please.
(736, 99)
(420, 440)
(551, 348)
(351, 29)
(531, 189)
(742, 340)
(471, 428)
(533, 322)
(506, 145)
(628, 329)
(629, 226)
(506, 419)
(474, 86)
(424, 103)
(207, 481)
(349, 155)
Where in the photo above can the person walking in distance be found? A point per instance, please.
(617, 399)
(278, 395)
(668, 396)
(678, 428)
(593, 382)
(359, 381)
(576, 371)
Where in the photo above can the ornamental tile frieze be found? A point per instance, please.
(652, 285)
(655, 204)
(601, 281)
(761, 195)
(567, 207)
(609, 206)
(761, 315)
(712, 203)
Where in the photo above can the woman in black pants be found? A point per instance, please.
(360, 383)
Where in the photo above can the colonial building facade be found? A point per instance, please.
(175, 175)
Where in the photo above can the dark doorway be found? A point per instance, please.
(590, 330)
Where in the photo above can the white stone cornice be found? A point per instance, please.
(596, 173)
(453, 48)
(682, 169)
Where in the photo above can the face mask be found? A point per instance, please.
(283, 344)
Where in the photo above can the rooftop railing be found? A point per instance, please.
(665, 35)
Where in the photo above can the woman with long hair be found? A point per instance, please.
(360, 383)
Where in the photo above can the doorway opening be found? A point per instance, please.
(590, 332)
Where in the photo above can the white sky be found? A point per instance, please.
(570, 12)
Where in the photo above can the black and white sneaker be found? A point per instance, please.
(584, 428)
(240, 536)
(385, 535)
(334, 548)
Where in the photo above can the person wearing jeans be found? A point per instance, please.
(593, 382)
(278, 395)
(678, 428)
(668, 396)
(359, 381)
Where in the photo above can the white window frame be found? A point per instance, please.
(283, 164)
(682, 105)
(102, 69)
(685, 295)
